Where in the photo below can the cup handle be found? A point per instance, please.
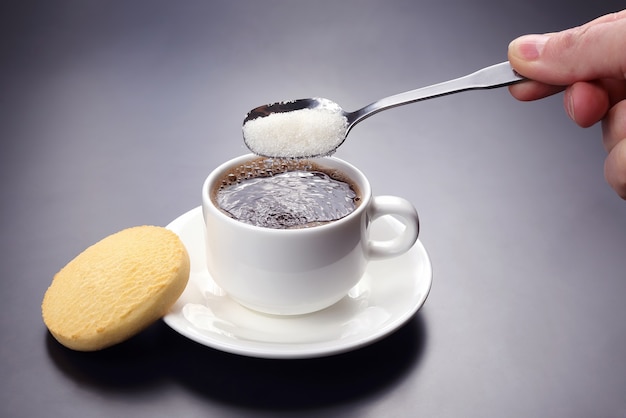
(407, 215)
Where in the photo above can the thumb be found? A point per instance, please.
(593, 51)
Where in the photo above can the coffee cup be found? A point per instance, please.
(304, 269)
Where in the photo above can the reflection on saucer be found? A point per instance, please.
(351, 316)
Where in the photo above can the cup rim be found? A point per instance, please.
(362, 182)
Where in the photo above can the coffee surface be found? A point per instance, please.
(289, 199)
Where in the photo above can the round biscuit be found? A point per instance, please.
(116, 288)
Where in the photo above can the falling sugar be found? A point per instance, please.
(296, 134)
(293, 199)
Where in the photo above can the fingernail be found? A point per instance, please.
(529, 47)
(569, 104)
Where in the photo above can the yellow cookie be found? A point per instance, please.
(116, 288)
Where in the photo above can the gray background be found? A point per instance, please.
(112, 114)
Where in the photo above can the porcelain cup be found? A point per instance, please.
(299, 271)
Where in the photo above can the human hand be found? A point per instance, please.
(589, 63)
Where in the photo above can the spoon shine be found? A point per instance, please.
(316, 127)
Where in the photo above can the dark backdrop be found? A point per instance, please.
(113, 112)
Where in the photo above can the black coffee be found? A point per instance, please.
(285, 194)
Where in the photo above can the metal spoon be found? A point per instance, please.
(490, 77)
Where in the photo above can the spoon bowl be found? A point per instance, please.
(296, 134)
(290, 106)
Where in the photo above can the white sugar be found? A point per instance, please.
(296, 134)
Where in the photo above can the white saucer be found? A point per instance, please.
(389, 294)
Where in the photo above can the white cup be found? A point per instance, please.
(298, 271)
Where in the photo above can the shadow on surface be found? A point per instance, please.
(136, 365)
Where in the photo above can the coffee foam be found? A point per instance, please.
(268, 167)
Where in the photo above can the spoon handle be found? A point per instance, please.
(490, 77)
